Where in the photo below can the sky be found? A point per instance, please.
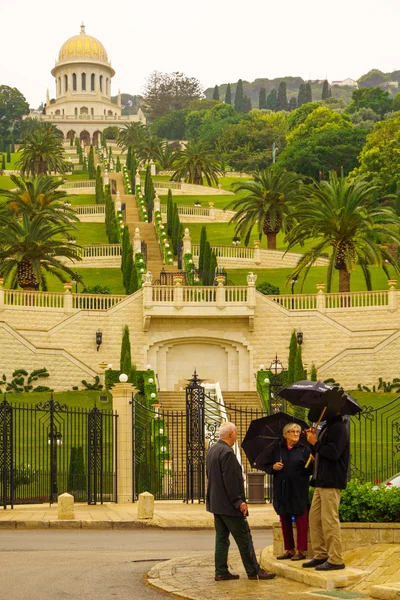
(216, 41)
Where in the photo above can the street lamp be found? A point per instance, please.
(235, 240)
(275, 386)
(276, 366)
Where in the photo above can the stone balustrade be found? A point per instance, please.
(74, 185)
(200, 214)
(91, 213)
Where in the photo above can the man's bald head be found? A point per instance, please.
(227, 433)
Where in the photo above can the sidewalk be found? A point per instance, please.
(173, 514)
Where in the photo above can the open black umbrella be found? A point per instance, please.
(318, 396)
(263, 434)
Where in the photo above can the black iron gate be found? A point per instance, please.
(48, 449)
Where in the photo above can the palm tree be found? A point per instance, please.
(267, 205)
(29, 248)
(38, 194)
(194, 162)
(345, 219)
(134, 135)
(164, 156)
(43, 152)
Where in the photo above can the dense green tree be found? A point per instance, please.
(374, 98)
(228, 94)
(267, 204)
(298, 116)
(195, 162)
(282, 103)
(396, 102)
(216, 93)
(239, 97)
(342, 217)
(32, 247)
(170, 91)
(43, 152)
(111, 132)
(325, 90)
(13, 106)
(125, 362)
(171, 126)
(272, 100)
(262, 98)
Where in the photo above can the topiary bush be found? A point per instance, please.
(267, 289)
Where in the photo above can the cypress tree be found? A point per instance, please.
(207, 263)
(228, 94)
(125, 363)
(133, 170)
(76, 471)
(313, 373)
(91, 163)
(124, 253)
(127, 274)
(3, 162)
(133, 282)
(170, 209)
(247, 104)
(213, 266)
(262, 99)
(203, 239)
(71, 140)
(239, 97)
(272, 100)
(301, 97)
(129, 159)
(8, 153)
(216, 93)
(325, 90)
(282, 96)
(292, 357)
(299, 411)
(118, 165)
(308, 92)
(292, 103)
(12, 146)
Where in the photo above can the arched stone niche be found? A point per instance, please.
(226, 361)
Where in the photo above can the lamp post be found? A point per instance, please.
(275, 403)
(236, 240)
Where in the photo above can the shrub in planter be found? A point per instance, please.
(267, 289)
(369, 503)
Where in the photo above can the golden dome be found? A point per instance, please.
(84, 47)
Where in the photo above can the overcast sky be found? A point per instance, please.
(214, 40)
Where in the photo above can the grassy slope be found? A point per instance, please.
(81, 399)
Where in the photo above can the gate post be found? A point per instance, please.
(195, 441)
(122, 400)
(6, 454)
(95, 456)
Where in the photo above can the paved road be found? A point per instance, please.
(93, 565)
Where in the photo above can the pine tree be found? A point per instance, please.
(228, 94)
(292, 357)
(325, 90)
(125, 362)
(262, 99)
(203, 239)
(216, 93)
(282, 96)
(292, 103)
(301, 97)
(239, 97)
(308, 92)
(272, 100)
(247, 104)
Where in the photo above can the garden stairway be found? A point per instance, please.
(147, 231)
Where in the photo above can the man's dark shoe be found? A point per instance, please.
(327, 566)
(285, 556)
(226, 576)
(313, 563)
(262, 575)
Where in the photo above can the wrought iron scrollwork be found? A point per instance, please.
(95, 455)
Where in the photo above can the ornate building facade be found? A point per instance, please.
(83, 107)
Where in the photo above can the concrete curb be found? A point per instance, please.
(91, 524)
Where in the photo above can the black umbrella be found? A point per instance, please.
(316, 396)
(263, 434)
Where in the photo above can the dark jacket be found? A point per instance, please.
(332, 455)
(290, 485)
(225, 491)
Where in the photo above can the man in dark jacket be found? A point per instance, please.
(226, 499)
(332, 455)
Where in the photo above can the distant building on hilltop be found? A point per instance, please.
(83, 107)
(349, 82)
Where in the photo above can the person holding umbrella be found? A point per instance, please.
(287, 463)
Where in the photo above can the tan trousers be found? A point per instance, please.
(324, 523)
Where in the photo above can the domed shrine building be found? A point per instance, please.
(82, 107)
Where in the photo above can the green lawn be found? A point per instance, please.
(81, 399)
(5, 183)
(90, 233)
(112, 278)
(77, 176)
(81, 199)
(219, 201)
(278, 277)
(15, 156)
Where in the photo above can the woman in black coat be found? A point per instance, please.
(290, 489)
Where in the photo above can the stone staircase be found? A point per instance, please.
(176, 400)
(147, 231)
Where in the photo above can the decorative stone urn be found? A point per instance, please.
(392, 283)
(320, 286)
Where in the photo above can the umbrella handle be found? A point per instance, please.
(310, 458)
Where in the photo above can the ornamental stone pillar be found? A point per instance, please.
(122, 399)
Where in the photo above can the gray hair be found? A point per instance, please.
(291, 426)
(225, 429)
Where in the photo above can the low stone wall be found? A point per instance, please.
(354, 535)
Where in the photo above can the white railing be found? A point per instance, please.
(33, 299)
(226, 251)
(90, 209)
(296, 301)
(197, 294)
(86, 117)
(357, 299)
(100, 251)
(165, 185)
(196, 211)
(95, 302)
(70, 185)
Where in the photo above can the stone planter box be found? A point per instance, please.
(354, 535)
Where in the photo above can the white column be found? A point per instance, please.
(122, 397)
(187, 242)
(137, 241)
(251, 290)
(257, 252)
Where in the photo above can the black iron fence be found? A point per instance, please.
(48, 449)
